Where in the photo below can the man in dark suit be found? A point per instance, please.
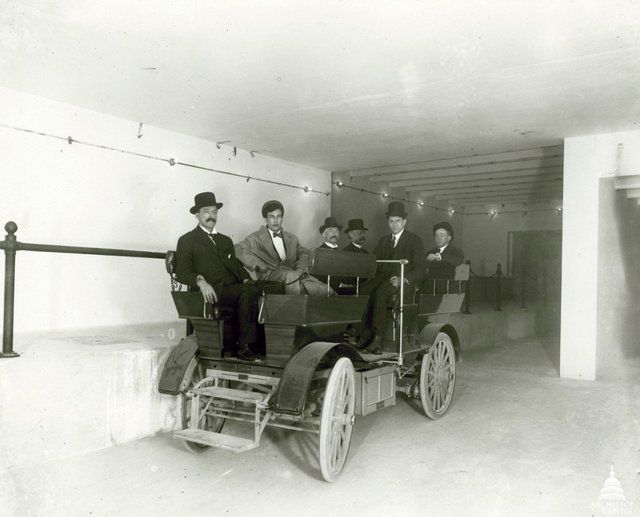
(356, 232)
(401, 244)
(206, 261)
(330, 232)
(443, 259)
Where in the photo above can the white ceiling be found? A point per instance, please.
(339, 85)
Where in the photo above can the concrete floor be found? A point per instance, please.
(517, 440)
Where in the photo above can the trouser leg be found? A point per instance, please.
(243, 298)
(286, 276)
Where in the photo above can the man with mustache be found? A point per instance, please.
(206, 261)
(330, 232)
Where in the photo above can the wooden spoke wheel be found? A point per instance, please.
(337, 419)
(438, 376)
(194, 376)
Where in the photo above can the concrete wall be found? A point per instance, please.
(347, 203)
(618, 325)
(77, 195)
(587, 292)
(486, 240)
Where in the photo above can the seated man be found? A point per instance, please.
(277, 256)
(330, 231)
(356, 232)
(206, 261)
(443, 259)
(401, 244)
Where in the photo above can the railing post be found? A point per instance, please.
(499, 287)
(523, 273)
(467, 292)
(10, 246)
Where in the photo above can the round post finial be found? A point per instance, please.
(11, 227)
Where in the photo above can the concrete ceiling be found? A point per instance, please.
(340, 85)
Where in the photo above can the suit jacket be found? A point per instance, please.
(409, 247)
(335, 280)
(354, 249)
(197, 255)
(445, 268)
(258, 250)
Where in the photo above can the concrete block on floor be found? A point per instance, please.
(83, 390)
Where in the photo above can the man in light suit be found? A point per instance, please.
(206, 261)
(443, 259)
(401, 244)
(276, 255)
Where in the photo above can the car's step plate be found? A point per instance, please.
(219, 440)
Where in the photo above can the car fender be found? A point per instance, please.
(291, 396)
(174, 370)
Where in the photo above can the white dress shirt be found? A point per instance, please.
(278, 244)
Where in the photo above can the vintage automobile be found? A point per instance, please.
(311, 379)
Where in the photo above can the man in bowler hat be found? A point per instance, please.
(330, 231)
(443, 259)
(206, 261)
(276, 255)
(400, 244)
(355, 230)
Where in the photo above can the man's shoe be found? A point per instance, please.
(375, 347)
(244, 354)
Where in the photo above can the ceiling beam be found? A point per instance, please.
(472, 169)
(527, 180)
(523, 154)
(523, 173)
(521, 198)
(633, 193)
(627, 182)
(531, 186)
(499, 195)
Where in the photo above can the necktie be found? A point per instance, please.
(210, 235)
(279, 234)
(394, 240)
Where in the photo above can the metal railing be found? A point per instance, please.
(10, 245)
(526, 292)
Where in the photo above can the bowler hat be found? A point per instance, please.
(204, 199)
(330, 222)
(270, 206)
(396, 209)
(445, 226)
(355, 224)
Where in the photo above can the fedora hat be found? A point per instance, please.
(445, 226)
(396, 209)
(330, 222)
(204, 199)
(355, 224)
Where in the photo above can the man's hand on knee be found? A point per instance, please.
(208, 292)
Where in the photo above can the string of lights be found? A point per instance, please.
(171, 161)
(338, 184)
(491, 213)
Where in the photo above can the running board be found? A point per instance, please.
(219, 440)
(253, 397)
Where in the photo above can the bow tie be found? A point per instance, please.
(279, 234)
